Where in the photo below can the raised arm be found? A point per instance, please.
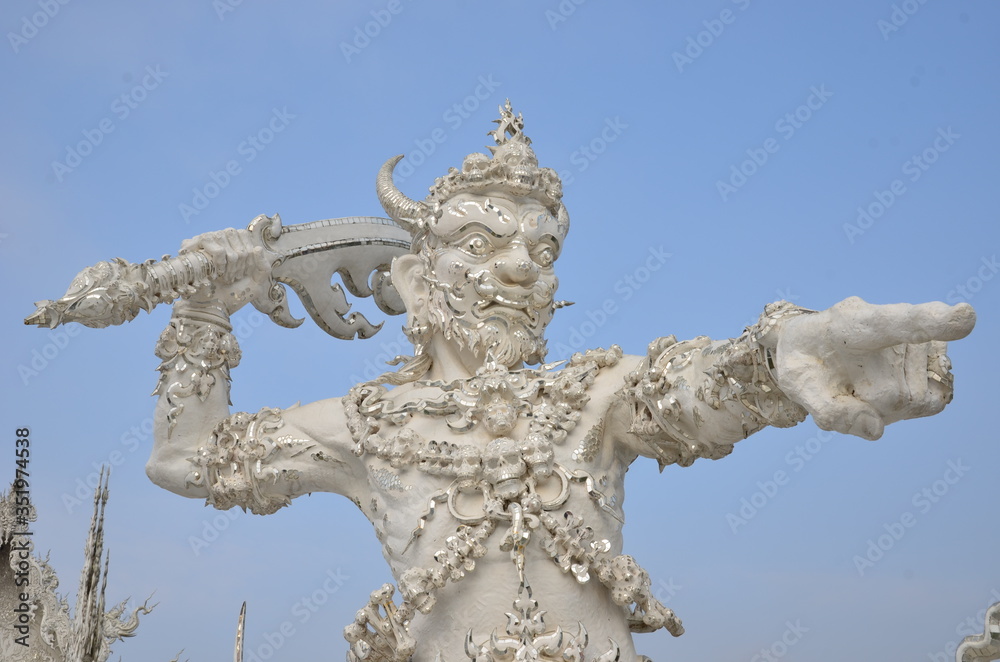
(258, 461)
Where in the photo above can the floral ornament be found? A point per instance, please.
(235, 466)
(195, 352)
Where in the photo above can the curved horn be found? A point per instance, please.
(400, 208)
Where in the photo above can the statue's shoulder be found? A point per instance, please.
(600, 372)
(324, 421)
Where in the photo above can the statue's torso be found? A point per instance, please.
(466, 481)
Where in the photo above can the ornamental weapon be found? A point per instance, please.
(304, 257)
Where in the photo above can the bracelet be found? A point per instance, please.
(748, 365)
(234, 465)
(210, 313)
(193, 349)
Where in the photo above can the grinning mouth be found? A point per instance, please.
(499, 301)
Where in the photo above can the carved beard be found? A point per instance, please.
(507, 334)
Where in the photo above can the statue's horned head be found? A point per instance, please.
(512, 171)
(485, 242)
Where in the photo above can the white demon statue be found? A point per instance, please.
(495, 488)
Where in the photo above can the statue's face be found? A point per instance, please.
(492, 274)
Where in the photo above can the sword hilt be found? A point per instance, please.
(307, 257)
(112, 293)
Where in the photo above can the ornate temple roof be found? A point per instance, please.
(44, 628)
(985, 646)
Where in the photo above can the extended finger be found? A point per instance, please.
(866, 326)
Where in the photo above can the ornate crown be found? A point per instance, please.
(512, 168)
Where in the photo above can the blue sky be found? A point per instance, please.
(749, 151)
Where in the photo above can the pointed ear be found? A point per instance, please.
(407, 277)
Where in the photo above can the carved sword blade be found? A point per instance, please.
(305, 257)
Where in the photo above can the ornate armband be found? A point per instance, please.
(196, 349)
(744, 371)
(236, 465)
(680, 385)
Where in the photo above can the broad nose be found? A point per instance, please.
(514, 266)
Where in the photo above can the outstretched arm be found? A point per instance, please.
(855, 367)
(697, 398)
(257, 461)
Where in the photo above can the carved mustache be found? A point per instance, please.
(492, 292)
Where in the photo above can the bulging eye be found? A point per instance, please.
(545, 257)
(477, 246)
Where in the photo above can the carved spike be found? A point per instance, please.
(614, 654)
(238, 652)
(502, 645)
(550, 643)
(513, 621)
(470, 646)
